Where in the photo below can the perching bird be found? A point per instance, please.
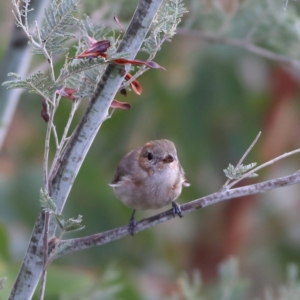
(149, 177)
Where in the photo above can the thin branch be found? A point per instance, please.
(141, 71)
(71, 245)
(243, 157)
(45, 257)
(45, 52)
(244, 44)
(248, 150)
(26, 8)
(55, 135)
(75, 104)
(47, 146)
(64, 139)
(50, 127)
(18, 16)
(270, 162)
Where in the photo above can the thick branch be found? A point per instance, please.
(244, 44)
(97, 110)
(68, 246)
(79, 144)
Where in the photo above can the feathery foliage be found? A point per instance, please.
(80, 65)
(85, 81)
(47, 203)
(37, 83)
(164, 25)
(23, 11)
(232, 286)
(97, 31)
(53, 33)
(237, 172)
(108, 286)
(83, 74)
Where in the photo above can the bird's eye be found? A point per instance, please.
(150, 156)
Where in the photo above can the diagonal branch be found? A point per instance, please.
(97, 111)
(69, 246)
(67, 168)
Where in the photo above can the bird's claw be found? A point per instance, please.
(131, 226)
(176, 209)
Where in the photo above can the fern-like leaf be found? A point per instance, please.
(164, 25)
(85, 82)
(47, 202)
(57, 18)
(236, 173)
(80, 65)
(74, 224)
(37, 83)
(97, 31)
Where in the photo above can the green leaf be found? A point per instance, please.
(47, 203)
(58, 17)
(164, 25)
(74, 224)
(81, 65)
(37, 83)
(97, 31)
(236, 173)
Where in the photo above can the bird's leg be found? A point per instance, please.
(132, 224)
(176, 209)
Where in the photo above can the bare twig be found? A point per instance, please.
(64, 138)
(47, 147)
(243, 157)
(270, 162)
(248, 150)
(24, 24)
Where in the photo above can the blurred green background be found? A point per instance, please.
(212, 101)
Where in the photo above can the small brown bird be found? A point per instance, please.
(149, 177)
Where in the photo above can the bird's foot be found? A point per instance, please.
(176, 209)
(132, 224)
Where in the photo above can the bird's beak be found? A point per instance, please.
(168, 159)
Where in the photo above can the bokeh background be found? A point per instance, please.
(212, 101)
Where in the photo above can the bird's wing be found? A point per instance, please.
(127, 165)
